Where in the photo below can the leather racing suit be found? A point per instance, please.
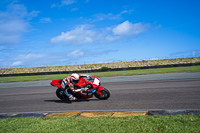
(85, 83)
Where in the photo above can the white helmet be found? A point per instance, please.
(74, 78)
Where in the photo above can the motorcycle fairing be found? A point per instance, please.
(57, 82)
(100, 88)
(81, 83)
(86, 95)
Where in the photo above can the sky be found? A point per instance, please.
(36, 33)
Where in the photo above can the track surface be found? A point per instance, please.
(156, 91)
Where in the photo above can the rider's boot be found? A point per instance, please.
(71, 97)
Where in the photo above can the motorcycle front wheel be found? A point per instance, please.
(105, 94)
(60, 94)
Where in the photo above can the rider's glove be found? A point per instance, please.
(84, 89)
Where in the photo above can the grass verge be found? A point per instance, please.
(178, 123)
(104, 74)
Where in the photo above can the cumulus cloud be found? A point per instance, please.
(35, 59)
(28, 60)
(126, 11)
(128, 29)
(85, 34)
(17, 63)
(80, 35)
(76, 53)
(14, 22)
(109, 16)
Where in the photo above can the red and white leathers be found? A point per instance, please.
(81, 84)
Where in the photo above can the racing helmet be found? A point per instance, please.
(74, 78)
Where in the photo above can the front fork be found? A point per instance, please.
(99, 93)
(100, 88)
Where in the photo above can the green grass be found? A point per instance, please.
(169, 124)
(104, 74)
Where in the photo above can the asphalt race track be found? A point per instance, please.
(142, 92)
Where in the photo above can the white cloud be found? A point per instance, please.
(31, 59)
(76, 53)
(14, 22)
(111, 16)
(65, 3)
(85, 34)
(126, 11)
(127, 28)
(45, 20)
(17, 63)
(16, 11)
(13, 26)
(31, 56)
(79, 35)
(101, 16)
(68, 2)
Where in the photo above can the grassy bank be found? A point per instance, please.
(184, 123)
(100, 66)
(104, 74)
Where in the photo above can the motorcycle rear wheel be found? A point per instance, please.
(60, 94)
(105, 94)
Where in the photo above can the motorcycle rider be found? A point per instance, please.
(77, 83)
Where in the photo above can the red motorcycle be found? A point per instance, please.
(100, 92)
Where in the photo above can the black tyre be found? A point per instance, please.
(105, 94)
(60, 94)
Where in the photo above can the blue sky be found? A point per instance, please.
(66, 32)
